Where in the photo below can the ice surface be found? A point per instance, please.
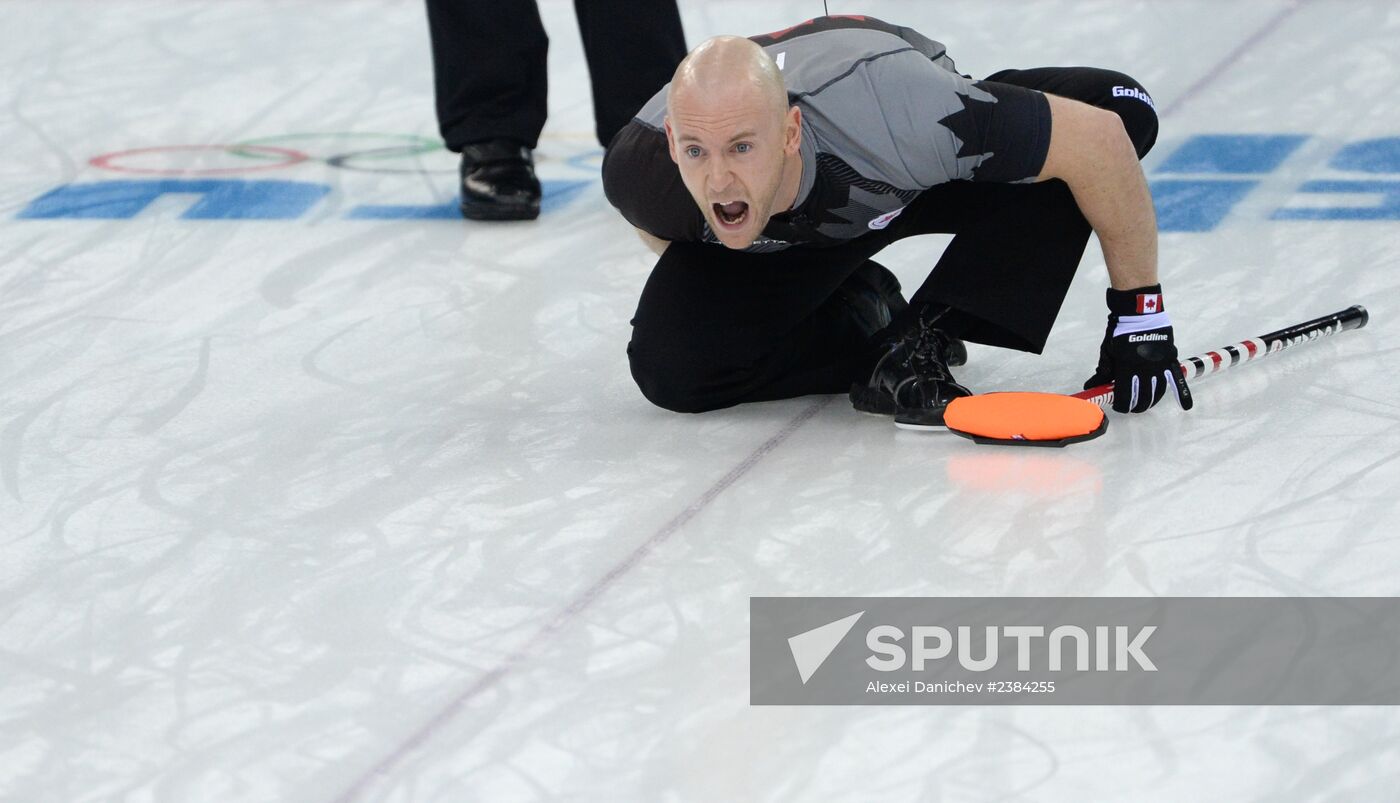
(362, 504)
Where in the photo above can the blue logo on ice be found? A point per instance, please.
(200, 174)
(1195, 188)
(238, 199)
(1202, 181)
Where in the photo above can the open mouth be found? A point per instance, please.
(731, 215)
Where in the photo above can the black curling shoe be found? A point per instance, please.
(498, 181)
(911, 380)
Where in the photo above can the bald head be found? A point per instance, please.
(734, 138)
(725, 69)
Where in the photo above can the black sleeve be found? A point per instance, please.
(1014, 131)
(640, 179)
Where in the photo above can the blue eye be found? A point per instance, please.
(743, 147)
(693, 152)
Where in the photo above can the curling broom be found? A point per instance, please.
(1213, 362)
(1049, 419)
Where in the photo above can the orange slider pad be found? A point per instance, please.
(1025, 419)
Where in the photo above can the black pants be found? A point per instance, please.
(489, 64)
(716, 327)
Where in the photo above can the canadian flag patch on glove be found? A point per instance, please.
(1138, 353)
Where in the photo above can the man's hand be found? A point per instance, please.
(1138, 355)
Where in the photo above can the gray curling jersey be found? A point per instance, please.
(885, 116)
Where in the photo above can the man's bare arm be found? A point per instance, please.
(1090, 151)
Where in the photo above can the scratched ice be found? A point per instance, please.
(343, 500)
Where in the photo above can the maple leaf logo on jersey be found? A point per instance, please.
(963, 124)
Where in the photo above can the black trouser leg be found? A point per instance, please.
(1095, 87)
(1006, 272)
(716, 327)
(488, 70)
(633, 48)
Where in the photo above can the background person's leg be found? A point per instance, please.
(633, 48)
(489, 74)
(489, 77)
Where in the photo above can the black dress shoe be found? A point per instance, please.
(498, 181)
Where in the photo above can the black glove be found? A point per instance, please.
(1138, 355)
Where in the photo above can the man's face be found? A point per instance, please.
(730, 149)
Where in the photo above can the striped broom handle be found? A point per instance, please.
(1213, 362)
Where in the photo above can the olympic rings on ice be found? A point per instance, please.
(405, 154)
(285, 157)
(276, 152)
